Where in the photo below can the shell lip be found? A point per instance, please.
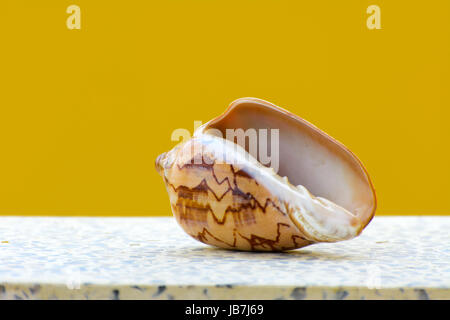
(264, 103)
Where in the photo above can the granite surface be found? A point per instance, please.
(152, 258)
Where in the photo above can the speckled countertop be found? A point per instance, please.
(152, 258)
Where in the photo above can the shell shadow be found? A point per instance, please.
(297, 255)
(322, 255)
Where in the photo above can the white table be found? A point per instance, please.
(152, 258)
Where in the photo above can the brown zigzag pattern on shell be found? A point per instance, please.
(186, 194)
(236, 191)
(253, 240)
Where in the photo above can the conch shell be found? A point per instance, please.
(224, 196)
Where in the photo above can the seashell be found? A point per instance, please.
(225, 195)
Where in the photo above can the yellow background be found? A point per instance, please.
(84, 113)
